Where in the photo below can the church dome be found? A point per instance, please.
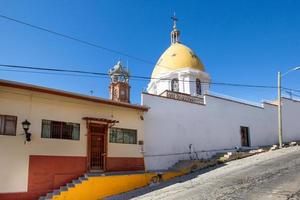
(176, 57)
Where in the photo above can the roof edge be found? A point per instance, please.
(35, 88)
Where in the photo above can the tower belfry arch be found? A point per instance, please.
(175, 32)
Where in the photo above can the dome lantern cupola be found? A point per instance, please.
(175, 32)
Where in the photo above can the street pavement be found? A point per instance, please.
(272, 175)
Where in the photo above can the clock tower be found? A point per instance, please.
(119, 87)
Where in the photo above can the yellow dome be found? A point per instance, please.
(177, 56)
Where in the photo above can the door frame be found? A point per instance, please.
(89, 139)
(247, 134)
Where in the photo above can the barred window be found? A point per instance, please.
(60, 130)
(8, 125)
(124, 136)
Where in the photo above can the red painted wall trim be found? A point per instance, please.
(124, 164)
(50, 172)
(47, 173)
(20, 195)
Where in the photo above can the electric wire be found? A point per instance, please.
(131, 76)
(51, 73)
(134, 77)
(116, 52)
(80, 40)
(61, 74)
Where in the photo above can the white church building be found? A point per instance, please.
(49, 137)
(184, 117)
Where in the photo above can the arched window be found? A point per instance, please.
(175, 85)
(198, 87)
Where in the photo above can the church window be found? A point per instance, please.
(175, 85)
(60, 130)
(198, 87)
(123, 136)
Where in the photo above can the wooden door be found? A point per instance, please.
(97, 148)
(245, 139)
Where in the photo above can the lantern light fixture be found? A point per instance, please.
(26, 126)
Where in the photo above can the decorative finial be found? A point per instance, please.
(118, 73)
(175, 33)
(175, 19)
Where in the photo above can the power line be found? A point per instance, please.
(51, 73)
(112, 51)
(80, 41)
(290, 90)
(63, 74)
(116, 52)
(52, 69)
(72, 38)
(86, 73)
(132, 76)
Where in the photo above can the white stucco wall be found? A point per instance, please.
(171, 126)
(35, 106)
(290, 120)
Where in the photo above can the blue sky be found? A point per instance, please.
(238, 41)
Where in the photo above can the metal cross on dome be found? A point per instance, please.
(175, 19)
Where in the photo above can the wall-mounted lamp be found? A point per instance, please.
(26, 125)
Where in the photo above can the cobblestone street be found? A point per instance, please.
(271, 175)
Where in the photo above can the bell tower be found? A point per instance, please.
(175, 32)
(119, 86)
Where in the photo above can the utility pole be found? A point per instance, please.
(280, 104)
(279, 112)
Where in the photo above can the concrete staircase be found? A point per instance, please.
(98, 185)
(80, 180)
(64, 188)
